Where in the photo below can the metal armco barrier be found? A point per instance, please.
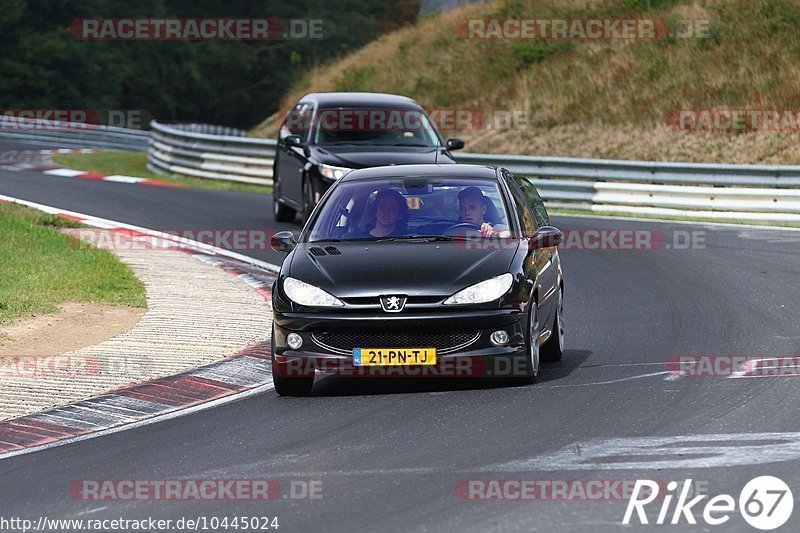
(722, 192)
(182, 149)
(59, 134)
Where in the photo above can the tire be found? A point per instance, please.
(532, 358)
(280, 212)
(289, 385)
(553, 350)
(308, 200)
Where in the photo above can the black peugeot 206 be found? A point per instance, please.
(326, 135)
(416, 268)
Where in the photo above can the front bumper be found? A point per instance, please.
(477, 357)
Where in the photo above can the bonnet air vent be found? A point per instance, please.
(333, 250)
(316, 250)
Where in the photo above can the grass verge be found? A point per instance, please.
(43, 267)
(135, 164)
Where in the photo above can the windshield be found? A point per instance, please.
(410, 207)
(374, 127)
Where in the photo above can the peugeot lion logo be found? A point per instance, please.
(393, 304)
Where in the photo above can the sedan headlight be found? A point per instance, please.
(304, 294)
(483, 292)
(332, 172)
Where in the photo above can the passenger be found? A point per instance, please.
(391, 214)
(473, 206)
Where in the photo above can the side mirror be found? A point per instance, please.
(283, 241)
(546, 237)
(455, 144)
(293, 140)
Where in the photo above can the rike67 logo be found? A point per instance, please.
(765, 502)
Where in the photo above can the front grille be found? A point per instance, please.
(376, 301)
(343, 342)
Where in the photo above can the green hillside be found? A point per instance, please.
(594, 98)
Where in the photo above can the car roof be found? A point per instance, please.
(359, 99)
(430, 170)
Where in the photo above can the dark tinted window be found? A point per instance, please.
(298, 121)
(534, 200)
(526, 215)
(374, 127)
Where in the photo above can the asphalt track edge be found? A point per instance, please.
(233, 378)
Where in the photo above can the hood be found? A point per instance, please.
(377, 156)
(362, 269)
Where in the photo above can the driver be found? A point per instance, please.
(472, 208)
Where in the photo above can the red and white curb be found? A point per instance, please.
(239, 375)
(68, 151)
(72, 173)
(128, 407)
(46, 167)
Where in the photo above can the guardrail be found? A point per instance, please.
(185, 150)
(745, 192)
(61, 134)
(722, 192)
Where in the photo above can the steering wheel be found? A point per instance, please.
(461, 225)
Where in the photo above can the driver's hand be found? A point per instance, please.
(486, 229)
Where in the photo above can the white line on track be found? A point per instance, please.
(667, 221)
(594, 383)
(199, 246)
(106, 223)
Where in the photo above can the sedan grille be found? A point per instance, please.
(343, 342)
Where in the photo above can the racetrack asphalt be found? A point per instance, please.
(390, 453)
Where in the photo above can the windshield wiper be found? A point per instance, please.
(412, 144)
(425, 238)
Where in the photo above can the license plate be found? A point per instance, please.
(394, 356)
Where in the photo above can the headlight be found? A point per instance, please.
(483, 292)
(332, 172)
(304, 294)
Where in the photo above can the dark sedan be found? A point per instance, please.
(328, 134)
(430, 269)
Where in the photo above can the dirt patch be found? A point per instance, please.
(75, 325)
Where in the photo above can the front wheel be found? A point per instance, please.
(286, 385)
(553, 349)
(280, 212)
(531, 366)
(290, 385)
(308, 200)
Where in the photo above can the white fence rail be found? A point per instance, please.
(183, 149)
(722, 192)
(725, 192)
(60, 134)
